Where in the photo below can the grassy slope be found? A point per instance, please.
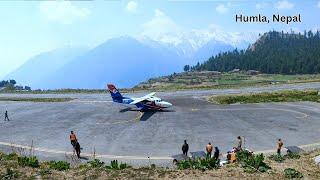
(209, 80)
(197, 80)
(305, 165)
(280, 96)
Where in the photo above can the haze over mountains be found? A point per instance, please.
(124, 61)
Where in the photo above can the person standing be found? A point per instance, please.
(78, 149)
(73, 139)
(279, 146)
(209, 149)
(239, 143)
(185, 148)
(6, 117)
(216, 153)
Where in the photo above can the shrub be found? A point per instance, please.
(202, 164)
(115, 165)
(291, 155)
(11, 156)
(59, 165)
(292, 174)
(28, 161)
(96, 163)
(44, 172)
(277, 157)
(10, 174)
(251, 162)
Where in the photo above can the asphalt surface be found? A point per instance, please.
(114, 132)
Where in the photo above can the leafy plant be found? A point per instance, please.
(277, 157)
(202, 164)
(28, 161)
(96, 163)
(292, 174)
(59, 165)
(291, 155)
(251, 162)
(11, 156)
(115, 165)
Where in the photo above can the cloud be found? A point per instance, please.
(318, 4)
(284, 5)
(222, 9)
(261, 5)
(161, 27)
(63, 12)
(132, 6)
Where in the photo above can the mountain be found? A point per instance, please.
(274, 52)
(44, 65)
(211, 48)
(124, 61)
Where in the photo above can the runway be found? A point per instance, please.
(113, 132)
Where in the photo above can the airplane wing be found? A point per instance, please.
(146, 97)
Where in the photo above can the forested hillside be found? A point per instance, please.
(273, 52)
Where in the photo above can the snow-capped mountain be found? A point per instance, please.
(126, 61)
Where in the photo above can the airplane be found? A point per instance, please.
(147, 102)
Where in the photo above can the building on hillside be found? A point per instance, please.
(234, 71)
(27, 88)
(253, 72)
(19, 88)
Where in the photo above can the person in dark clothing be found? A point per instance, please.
(185, 148)
(216, 153)
(78, 149)
(6, 117)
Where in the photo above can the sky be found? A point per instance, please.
(29, 28)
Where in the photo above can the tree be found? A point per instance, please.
(13, 82)
(274, 52)
(186, 68)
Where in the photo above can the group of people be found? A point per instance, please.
(209, 149)
(230, 154)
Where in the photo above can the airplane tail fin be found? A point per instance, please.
(115, 94)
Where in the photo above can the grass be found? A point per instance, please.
(10, 168)
(36, 99)
(280, 96)
(194, 80)
(208, 80)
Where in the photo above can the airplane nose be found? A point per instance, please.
(168, 104)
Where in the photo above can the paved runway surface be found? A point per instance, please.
(132, 136)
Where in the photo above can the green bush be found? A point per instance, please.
(277, 157)
(115, 165)
(11, 156)
(28, 161)
(251, 162)
(202, 164)
(96, 163)
(291, 155)
(59, 165)
(292, 174)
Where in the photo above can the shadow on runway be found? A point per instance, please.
(146, 114)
